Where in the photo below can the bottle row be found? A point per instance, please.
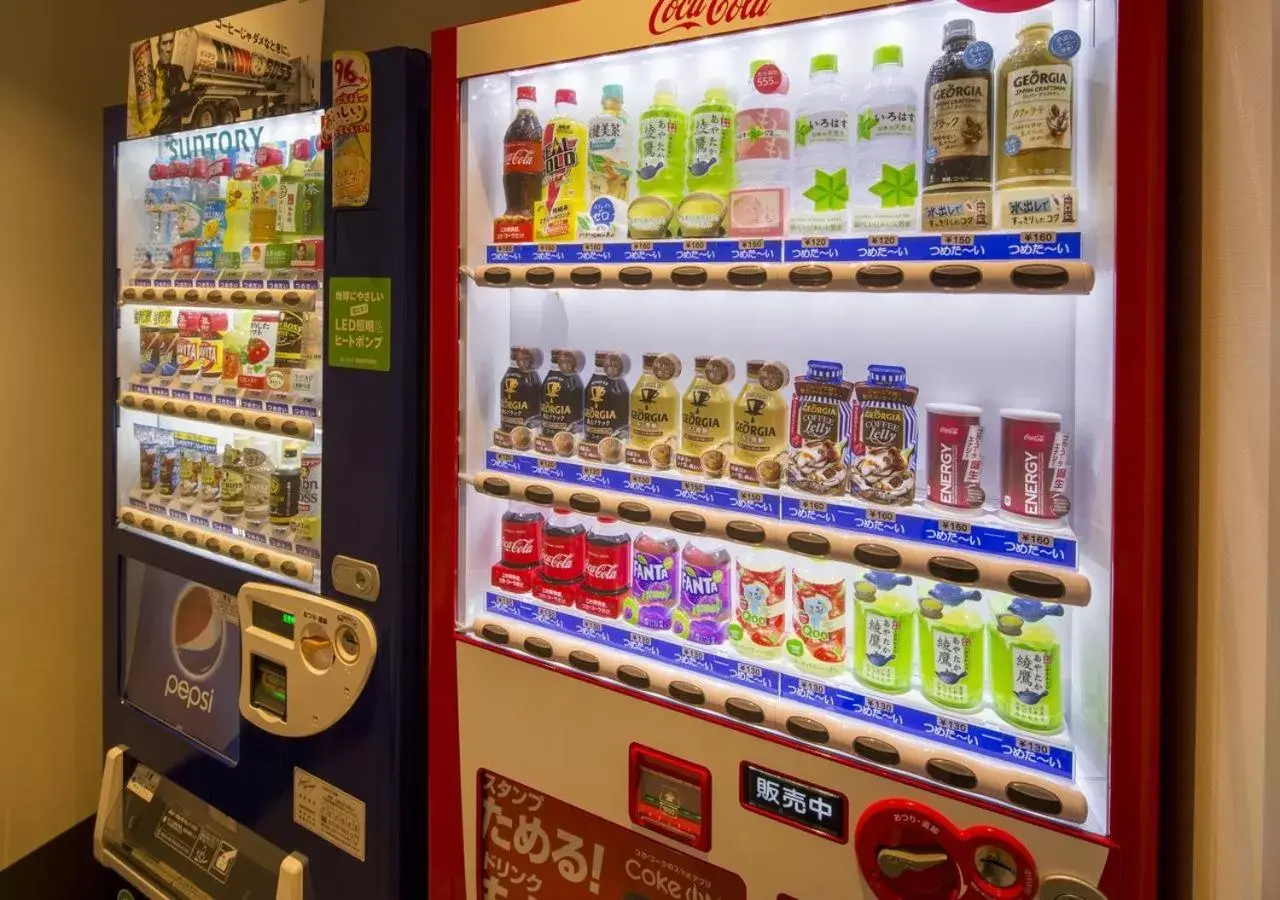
(889, 630)
(252, 350)
(770, 166)
(834, 437)
(248, 210)
(260, 479)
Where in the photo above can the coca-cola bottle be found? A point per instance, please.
(522, 155)
(521, 551)
(563, 558)
(607, 575)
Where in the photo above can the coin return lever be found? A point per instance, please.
(305, 659)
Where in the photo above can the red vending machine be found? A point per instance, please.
(796, 450)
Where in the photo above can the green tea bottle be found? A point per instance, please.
(1026, 663)
(883, 630)
(953, 654)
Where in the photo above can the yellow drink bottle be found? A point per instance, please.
(563, 208)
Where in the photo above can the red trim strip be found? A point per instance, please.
(444, 792)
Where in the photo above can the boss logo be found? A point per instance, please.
(190, 694)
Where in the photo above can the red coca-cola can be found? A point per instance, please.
(1034, 462)
(608, 566)
(564, 548)
(954, 442)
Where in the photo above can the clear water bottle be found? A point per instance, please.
(886, 180)
(823, 117)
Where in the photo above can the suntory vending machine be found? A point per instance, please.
(262, 664)
(796, 532)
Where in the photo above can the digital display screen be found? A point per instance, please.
(276, 621)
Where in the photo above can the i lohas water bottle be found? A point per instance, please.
(886, 183)
(820, 187)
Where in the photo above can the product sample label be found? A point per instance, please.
(958, 123)
(325, 810)
(1039, 107)
(897, 120)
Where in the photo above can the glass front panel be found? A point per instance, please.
(904, 479)
(221, 249)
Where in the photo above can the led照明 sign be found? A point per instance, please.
(264, 62)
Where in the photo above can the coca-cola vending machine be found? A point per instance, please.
(799, 535)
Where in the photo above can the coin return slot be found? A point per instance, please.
(808, 543)
(952, 773)
(1040, 277)
(688, 522)
(584, 662)
(635, 276)
(585, 503)
(586, 276)
(748, 276)
(497, 276)
(877, 751)
(540, 276)
(539, 647)
(270, 682)
(1039, 585)
(495, 634)
(956, 277)
(688, 276)
(808, 729)
(634, 676)
(810, 276)
(879, 277)
(744, 710)
(1034, 798)
(687, 693)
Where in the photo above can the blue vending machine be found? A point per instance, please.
(263, 665)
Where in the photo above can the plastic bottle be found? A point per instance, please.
(702, 616)
(762, 154)
(606, 579)
(239, 197)
(706, 418)
(957, 116)
(1026, 663)
(819, 641)
(563, 549)
(760, 425)
(660, 165)
(610, 165)
(655, 580)
(1033, 138)
(883, 630)
(759, 623)
(286, 486)
(655, 413)
(711, 164)
(820, 186)
(886, 183)
(953, 655)
(562, 210)
(522, 156)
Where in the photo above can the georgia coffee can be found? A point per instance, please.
(954, 442)
(1033, 464)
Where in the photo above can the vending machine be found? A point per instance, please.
(798, 531)
(263, 658)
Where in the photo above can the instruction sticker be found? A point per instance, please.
(360, 323)
(329, 812)
(144, 782)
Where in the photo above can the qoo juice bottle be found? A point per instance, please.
(952, 646)
(819, 641)
(883, 622)
(759, 603)
(1026, 663)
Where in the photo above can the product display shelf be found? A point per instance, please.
(1019, 577)
(210, 295)
(246, 410)
(252, 549)
(975, 752)
(987, 534)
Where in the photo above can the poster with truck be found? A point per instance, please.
(264, 62)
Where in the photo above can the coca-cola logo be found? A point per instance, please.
(668, 15)
(602, 571)
(518, 547)
(519, 157)
(563, 561)
(1034, 437)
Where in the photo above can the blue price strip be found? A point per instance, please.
(714, 495)
(955, 732)
(995, 246)
(605, 634)
(719, 250)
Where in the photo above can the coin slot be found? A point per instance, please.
(1034, 798)
(877, 751)
(499, 275)
(748, 276)
(536, 493)
(955, 278)
(635, 276)
(586, 276)
(744, 532)
(634, 676)
(808, 729)
(877, 556)
(584, 662)
(636, 513)
(495, 634)
(808, 543)
(539, 647)
(744, 710)
(688, 522)
(951, 773)
(687, 693)
(585, 503)
(951, 568)
(810, 276)
(540, 276)
(996, 866)
(1040, 277)
(1040, 585)
(688, 276)
(879, 277)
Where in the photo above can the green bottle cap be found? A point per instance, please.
(612, 92)
(756, 64)
(717, 95)
(824, 62)
(889, 53)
